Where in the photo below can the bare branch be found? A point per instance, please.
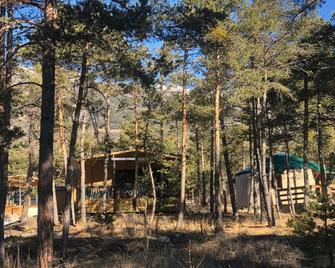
(25, 83)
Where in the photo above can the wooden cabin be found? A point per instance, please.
(16, 187)
(120, 179)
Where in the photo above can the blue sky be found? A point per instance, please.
(327, 9)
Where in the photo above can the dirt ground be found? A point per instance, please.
(126, 242)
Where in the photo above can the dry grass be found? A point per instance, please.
(123, 244)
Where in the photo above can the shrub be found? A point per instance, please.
(302, 224)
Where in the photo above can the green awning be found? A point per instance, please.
(279, 163)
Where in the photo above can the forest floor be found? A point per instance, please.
(123, 243)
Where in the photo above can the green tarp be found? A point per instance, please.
(279, 163)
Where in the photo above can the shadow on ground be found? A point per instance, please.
(176, 249)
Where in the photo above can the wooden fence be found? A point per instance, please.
(298, 193)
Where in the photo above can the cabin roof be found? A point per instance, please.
(120, 162)
(279, 164)
(119, 155)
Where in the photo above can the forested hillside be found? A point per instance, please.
(129, 125)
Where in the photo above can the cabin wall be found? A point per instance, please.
(296, 178)
(297, 185)
(243, 187)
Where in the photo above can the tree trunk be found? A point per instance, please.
(94, 123)
(30, 170)
(54, 203)
(182, 207)
(218, 202)
(272, 178)
(161, 128)
(256, 166)
(230, 176)
(104, 196)
(82, 169)
(5, 114)
(223, 189)
(198, 164)
(45, 168)
(136, 148)
(72, 150)
(262, 180)
(287, 155)
(177, 134)
(152, 181)
(61, 126)
(62, 142)
(251, 164)
(212, 170)
(107, 152)
(305, 149)
(320, 147)
(203, 176)
(265, 183)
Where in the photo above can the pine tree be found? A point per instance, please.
(45, 169)
(5, 115)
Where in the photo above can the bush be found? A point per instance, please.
(302, 224)
(104, 217)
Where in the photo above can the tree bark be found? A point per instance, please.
(30, 170)
(305, 149)
(54, 202)
(136, 147)
(198, 164)
(287, 159)
(203, 177)
(61, 126)
(82, 169)
(212, 170)
(217, 159)
(177, 134)
(5, 114)
(45, 168)
(152, 181)
(182, 207)
(272, 178)
(94, 123)
(161, 128)
(223, 187)
(320, 147)
(230, 176)
(72, 151)
(62, 142)
(263, 186)
(256, 172)
(107, 152)
(251, 205)
(265, 183)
